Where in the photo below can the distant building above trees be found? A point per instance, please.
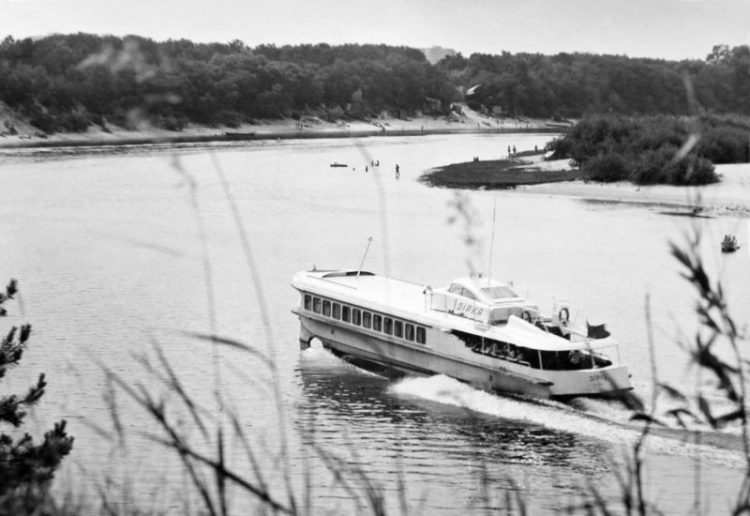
(435, 54)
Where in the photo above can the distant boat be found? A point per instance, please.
(238, 136)
(696, 211)
(478, 331)
(729, 244)
(337, 164)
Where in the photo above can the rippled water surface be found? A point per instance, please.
(113, 258)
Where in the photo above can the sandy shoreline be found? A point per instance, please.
(729, 197)
(308, 127)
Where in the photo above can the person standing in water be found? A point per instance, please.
(398, 171)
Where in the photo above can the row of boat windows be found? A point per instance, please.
(358, 317)
(555, 360)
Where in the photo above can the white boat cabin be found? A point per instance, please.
(491, 302)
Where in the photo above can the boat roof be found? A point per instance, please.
(488, 290)
(407, 300)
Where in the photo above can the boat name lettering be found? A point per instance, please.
(469, 309)
(596, 377)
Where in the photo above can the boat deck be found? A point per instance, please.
(409, 301)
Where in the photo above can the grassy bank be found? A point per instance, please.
(496, 174)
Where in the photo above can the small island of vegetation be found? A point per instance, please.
(497, 174)
(662, 149)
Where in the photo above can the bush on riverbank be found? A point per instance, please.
(655, 150)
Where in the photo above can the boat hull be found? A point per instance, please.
(375, 353)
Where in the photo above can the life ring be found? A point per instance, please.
(526, 316)
(564, 316)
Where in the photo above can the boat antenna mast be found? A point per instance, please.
(492, 242)
(369, 241)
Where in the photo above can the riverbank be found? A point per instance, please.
(469, 122)
(730, 196)
(529, 172)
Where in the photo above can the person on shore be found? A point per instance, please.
(514, 150)
(509, 151)
(398, 171)
(366, 169)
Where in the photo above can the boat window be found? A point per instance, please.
(356, 316)
(455, 289)
(377, 322)
(420, 335)
(409, 331)
(327, 308)
(316, 305)
(336, 311)
(499, 292)
(567, 360)
(468, 293)
(308, 301)
(388, 325)
(366, 318)
(345, 313)
(398, 328)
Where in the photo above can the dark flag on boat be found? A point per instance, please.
(597, 331)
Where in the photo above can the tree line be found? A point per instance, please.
(68, 82)
(572, 85)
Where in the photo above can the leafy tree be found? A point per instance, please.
(26, 468)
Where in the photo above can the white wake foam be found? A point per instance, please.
(318, 356)
(551, 414)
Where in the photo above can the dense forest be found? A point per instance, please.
(571, 85)
(68, 82)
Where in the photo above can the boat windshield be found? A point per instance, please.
(499, 292)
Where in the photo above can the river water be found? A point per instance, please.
(120, 252)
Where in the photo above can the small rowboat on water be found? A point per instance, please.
(729, 244)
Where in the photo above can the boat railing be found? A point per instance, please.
(555, 309)
(337, 281)
(598, 351)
